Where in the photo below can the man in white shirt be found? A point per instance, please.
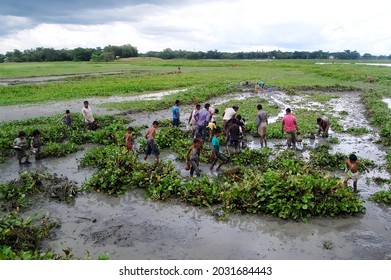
(88, 117)
(228, 114)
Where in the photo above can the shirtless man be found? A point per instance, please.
(324, 125)
(151, 144)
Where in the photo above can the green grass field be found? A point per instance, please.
(143, 75)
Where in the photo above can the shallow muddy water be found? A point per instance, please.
(46, 79)
(131, 227)
(19, 112)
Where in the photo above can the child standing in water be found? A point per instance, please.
(67, 118)
(151, 144)
(36, 144)
(20, 145)
(352, 170)
(193, 157)
(216, 150)
(128, 139)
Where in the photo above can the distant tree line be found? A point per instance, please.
(347, 54)
(110, 53)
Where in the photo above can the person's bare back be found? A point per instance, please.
(352, 165)
(151, 132)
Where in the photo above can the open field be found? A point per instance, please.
(267, 203)
(144, 75)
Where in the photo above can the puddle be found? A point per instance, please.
(358, 63)
(45, 79)
(387, 101)
(375, 64)
(19, 112)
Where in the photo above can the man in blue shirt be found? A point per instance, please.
(175, 114)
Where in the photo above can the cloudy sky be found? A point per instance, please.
(199, 25)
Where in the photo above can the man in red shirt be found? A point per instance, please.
(289, 126)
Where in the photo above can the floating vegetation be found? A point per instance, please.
(382, 197)
(286, 187)
(358, 130)
(15, 194)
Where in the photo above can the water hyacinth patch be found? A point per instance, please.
(383, 196)
(286, 187)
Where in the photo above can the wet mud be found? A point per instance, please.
(46, 79)
(131, 227)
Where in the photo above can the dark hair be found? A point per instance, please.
(207, 105)
(22, 133)
(198, 106)
(259, 107)
(235, 107)
(85, 102)
(196, 140)
(288, 110)
(217, 130)
(177, 102)
(130, 128)
(318, 120)
(155, 122)
(216, 111)
(67, 111)
(352, 157)
(36, 132)
(239, 117)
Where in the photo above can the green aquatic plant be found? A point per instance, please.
(300, 194)
(285, 186)
(58, 139)
(24, 234)
(383, 196)
(358, 130)
(16, 194)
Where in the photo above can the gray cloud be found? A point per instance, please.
(39, 9)
(84, 12)
(240, 25)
